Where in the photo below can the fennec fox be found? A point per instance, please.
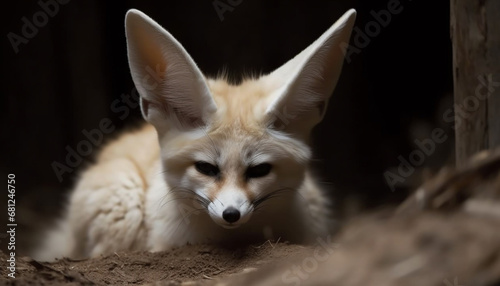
(216, 162)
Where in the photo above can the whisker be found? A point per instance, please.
(175, 199)
(260, 199)
(222, 204)
(186, 194)
(187, 216)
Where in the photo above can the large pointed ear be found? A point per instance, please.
(173, 91)
(302, 86)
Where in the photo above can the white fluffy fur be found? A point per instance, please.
(145, 193)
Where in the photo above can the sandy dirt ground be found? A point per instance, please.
(201, 263)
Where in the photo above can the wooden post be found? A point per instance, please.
(475, 33)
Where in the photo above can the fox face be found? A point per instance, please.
(230, 173)
(230, 150)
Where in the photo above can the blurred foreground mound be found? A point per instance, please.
(447, 233)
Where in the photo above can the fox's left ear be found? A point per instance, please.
(304, 84)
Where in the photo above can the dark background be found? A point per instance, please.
(66, 77)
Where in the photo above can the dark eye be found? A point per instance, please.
(258, 171)
(207, 168)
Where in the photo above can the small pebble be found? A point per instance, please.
(248, 270)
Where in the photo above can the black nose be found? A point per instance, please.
(231, 215)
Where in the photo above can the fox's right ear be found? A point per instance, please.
(173, 91)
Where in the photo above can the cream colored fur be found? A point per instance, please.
(146, 191)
